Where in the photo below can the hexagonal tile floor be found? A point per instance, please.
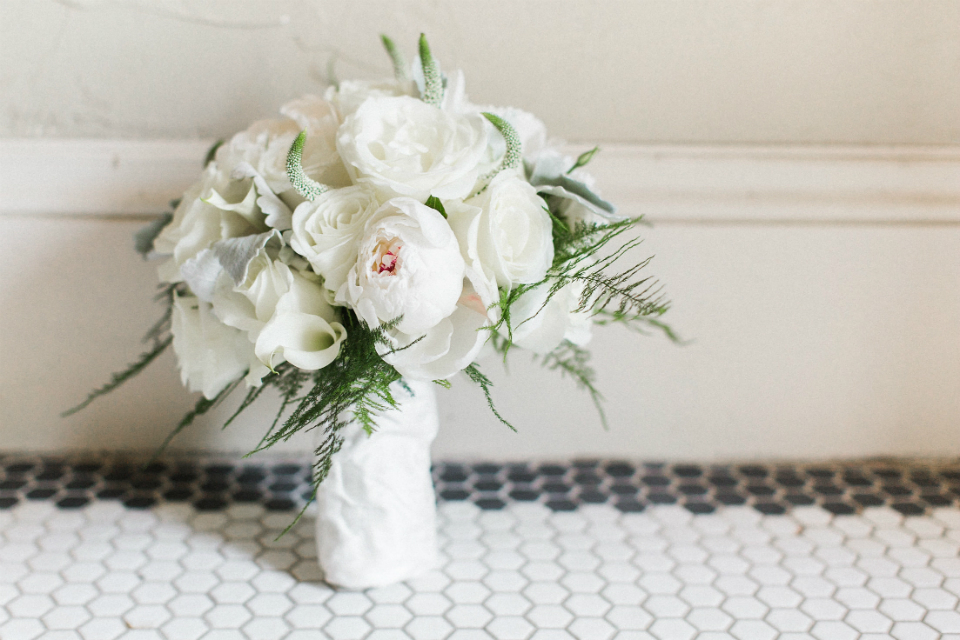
(188, 549)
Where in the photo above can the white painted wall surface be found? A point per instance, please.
(824, 312)
(816, 270)
(690, 71)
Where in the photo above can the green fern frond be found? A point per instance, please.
(473, 372)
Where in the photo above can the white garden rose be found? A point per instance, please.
(405, 147)
(530, 129)
(264, 145)
(350, 94)
(456, 341)
(408, 264)
(515, 233)
(213, 209)
(540, 325)
(210, 354)
(327, 231)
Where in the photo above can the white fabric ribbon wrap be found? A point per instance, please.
(376, 510)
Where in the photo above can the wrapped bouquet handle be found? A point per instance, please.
(376, 516)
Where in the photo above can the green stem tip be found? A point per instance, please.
(400, 69)
(305, 186)
(513, 154)
(432, 81)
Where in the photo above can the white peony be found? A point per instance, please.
(408, 264)
(457, 340)
(211, 355)
(540, 325)
(515, 233)
(327, 231)
(405, 147)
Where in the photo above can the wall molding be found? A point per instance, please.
(667, 183)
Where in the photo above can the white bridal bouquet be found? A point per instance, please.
(387, 232)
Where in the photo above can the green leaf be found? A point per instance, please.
(143, 239)
(118, 379)
(434, 203)
(473, 372)
(583, 159)
(212, 153)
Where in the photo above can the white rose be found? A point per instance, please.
(457, 340)
(408, 264)
(284, 314)
(540, 326)
(213, 209)
(403, 146)
(321, 160)
(515, 234)
(350, 94)
(211, 355)
(327, 231)
(530, 129)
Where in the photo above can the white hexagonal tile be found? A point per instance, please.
(868, 621)
(149, 616)
(857, 598)
(69, 617)
(834, 630)
(671, 629)
(30, 606)
(745, 607)
(752, 630)
(944, 621)
(510, 628)
(902, 610)
(153, 593)
(308, 616)
(109, 629)
(269, 605)
(666, 606)
(22, 629)
(468, 616)
(425, 627)
(266, 628)
(626, 617)
(347, 628)
(187, 629)
(789, 620)
(228, 616)
(388, 616)
(505, 581)
(505, 604)
(913, 631)
(467, 592)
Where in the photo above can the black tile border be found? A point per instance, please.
(211, 484)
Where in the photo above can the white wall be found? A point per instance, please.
(816, 269)
(820, 289)
(750, 71)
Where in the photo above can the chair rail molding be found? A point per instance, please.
(666, 183)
